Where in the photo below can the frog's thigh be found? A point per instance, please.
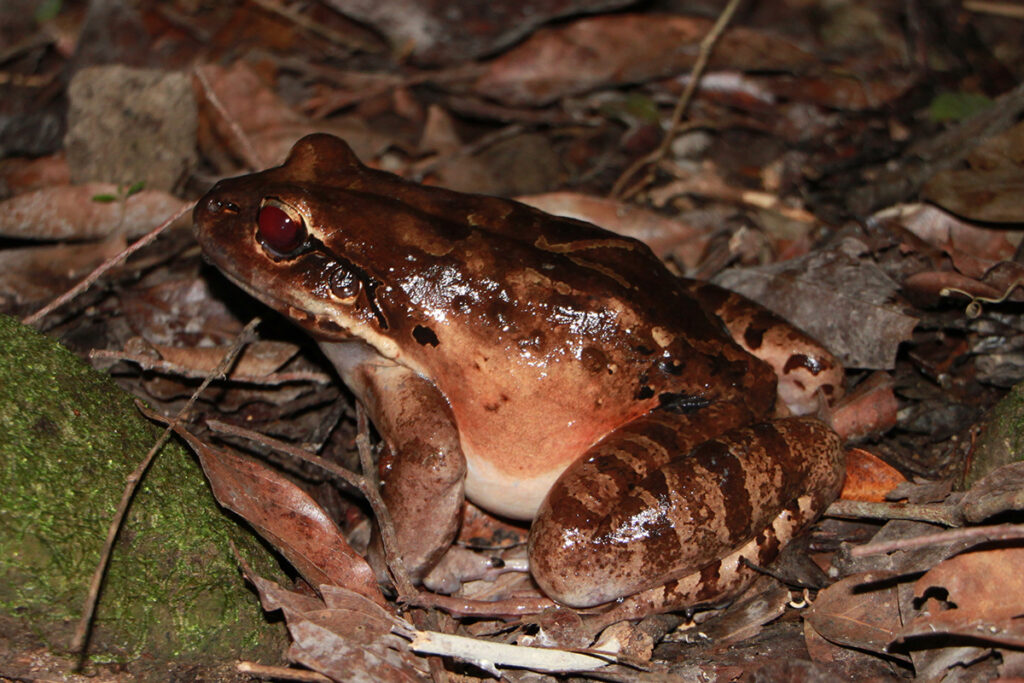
(424, 488)
(804, 367)
(599, 536)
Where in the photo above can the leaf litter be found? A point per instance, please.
(815, 178)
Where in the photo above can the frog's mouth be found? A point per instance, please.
(324, 326)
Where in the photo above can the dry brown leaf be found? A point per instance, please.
(1001, 490)
(660, 233)
(30, 275)
(973, 249)
(20, 175)
(991, 189)
(442, 31)
(270, 126)
(346, 636)
(852, 613)
(841, 89)
(72, 212)
(613, 50)
(256, 360)
(838, 299)
(982, 592)
(287, 518)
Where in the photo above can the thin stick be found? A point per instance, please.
(132, 483)
(252, 156)
(979, 534)
(150, 363)
(355, 480)
(104, 267)
(372, 492)
(706, 47)
(999, 9)
(946, 515)
(283, 673)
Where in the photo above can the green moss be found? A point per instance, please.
(68, 440)
(1001, 440)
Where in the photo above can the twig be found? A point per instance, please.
(283, 673)
(999, 9)
(104, 267)
(978, 534)
(89, 608)
(350, 42)
(946, 515)
(252, 157)
(346, 475)
(371, 490)
(167, 367)
(706, 47)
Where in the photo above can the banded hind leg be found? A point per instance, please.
(665, 499)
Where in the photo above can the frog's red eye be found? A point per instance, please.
(280, 228)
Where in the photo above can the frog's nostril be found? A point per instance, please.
(215, 205)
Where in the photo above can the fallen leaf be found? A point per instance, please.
(868, 478)
(73, 212)
(256, 360)
(31, 275)
(344, 635)
(287, 518)
(854, 613)
(840, 300)
(442, 31)
(999, 491)
(269, 125)
(616, 49)
(991, 189)
(982, 596)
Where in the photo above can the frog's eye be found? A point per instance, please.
(280, 228)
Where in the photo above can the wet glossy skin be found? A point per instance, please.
(495, 346)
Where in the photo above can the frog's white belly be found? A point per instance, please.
(495, 491)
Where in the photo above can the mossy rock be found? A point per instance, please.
(69, 438)
(1001, 440)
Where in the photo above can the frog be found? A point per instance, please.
(544, 369)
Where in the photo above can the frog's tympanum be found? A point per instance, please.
(545, 369)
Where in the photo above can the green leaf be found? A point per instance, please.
(957, 106)
(47, 11)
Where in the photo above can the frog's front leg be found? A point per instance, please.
(424, 487)
(655, 503)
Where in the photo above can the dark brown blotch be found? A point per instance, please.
(594, 360)
(800, 360)
(753, 337)
(730, 477)
(424, 336)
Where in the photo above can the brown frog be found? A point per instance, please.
(543, 368)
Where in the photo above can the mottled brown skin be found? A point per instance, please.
(499, 349)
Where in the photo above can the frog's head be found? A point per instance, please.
(324, 240)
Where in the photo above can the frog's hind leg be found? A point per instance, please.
(805, 369)
(628, 517)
